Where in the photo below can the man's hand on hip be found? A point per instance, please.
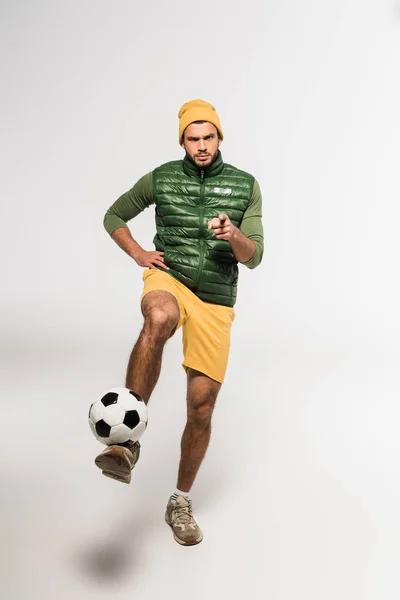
(151, 259)
(122, 236)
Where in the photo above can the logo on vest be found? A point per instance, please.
(219, 190)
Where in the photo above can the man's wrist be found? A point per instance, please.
(235, 233)
(135, 253)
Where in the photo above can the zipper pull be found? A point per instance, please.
(201, 176)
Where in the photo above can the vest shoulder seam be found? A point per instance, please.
(169, 164)
(239, 171)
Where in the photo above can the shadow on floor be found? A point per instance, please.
(113, 558)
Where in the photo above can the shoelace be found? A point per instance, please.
(183, 514)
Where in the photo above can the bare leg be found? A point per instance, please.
(202, 393)
(161, 314)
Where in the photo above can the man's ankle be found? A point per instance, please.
(177, 493)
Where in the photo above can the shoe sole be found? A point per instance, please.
(181, 542)
(115, 466)
(111, 475)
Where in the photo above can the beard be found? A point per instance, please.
(206, 163)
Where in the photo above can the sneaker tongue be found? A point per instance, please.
(181, 500)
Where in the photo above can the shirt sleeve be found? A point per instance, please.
(252, 227)
(130, 204)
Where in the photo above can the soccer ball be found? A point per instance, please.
(119, 416)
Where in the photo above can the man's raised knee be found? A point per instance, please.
(161, 313)
(160, 322)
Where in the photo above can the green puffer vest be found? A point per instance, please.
(186, 198)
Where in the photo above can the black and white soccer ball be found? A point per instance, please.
(118, 417)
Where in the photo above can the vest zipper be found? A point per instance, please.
(201, 217)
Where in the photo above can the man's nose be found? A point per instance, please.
(202, 145)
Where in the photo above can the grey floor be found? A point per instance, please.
(298, 496)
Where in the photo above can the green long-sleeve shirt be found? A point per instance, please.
(141, 196)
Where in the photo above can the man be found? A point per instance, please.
(208, 218)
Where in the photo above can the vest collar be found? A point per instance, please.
(191, 169)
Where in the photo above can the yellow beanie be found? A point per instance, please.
(197, 110)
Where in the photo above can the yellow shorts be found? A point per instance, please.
(206, 327)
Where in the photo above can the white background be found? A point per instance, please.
(298, 497)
